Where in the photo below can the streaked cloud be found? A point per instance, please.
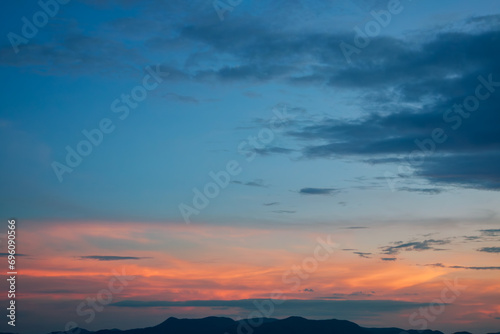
(318, 191)
(414, 246)
(254, 183)
(110, 257)
(489, 249)
(363, 255)
(440, 265)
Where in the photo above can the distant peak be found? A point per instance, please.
(169, 319)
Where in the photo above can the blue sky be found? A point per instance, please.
(194, 121)
(337, 158)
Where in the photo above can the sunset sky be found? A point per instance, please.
(211, 155)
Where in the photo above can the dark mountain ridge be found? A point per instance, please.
(221, 325)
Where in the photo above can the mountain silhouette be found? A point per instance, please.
(221, 325)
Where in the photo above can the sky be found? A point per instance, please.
(197, 158)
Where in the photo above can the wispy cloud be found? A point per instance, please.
(322, 307)
(489, 249)
(350, 295)
(491, 232)
(254, 183)
(440, 265)
(426, 191)
(414, 246)
(423, 83)
(7, 254)
(318, 191)
(363, 255)
(111, 257)
(273, 150)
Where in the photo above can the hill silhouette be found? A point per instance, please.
(221, 325)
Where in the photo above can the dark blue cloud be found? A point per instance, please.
(111, 258)
(7, 254)
(490, 232)
(427, 191)
(490, 249)
(317, 191)
(414, 246)
(440, 265)
(350, 295)
(363, 255)
(442, 77)
(254, 183)
(273, 150)
(318, 308)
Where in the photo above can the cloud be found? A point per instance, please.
(284, 211)
(426, 191)
(324, 307)
(466, 159)
(409, 88)
(475, 268)
(490, 232)
(364, 255)
(414, 246)
(486, 235)
(317, 191)
(472, 238)
(409, 65)
(95, 54)
(271, 203)
(254, 183)
(350, 295)
(284, 56)
(474, 171)
(489, 249)
(440, 265)
(273, 150)
(7, 254)
(111, 258)
(388, 258)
